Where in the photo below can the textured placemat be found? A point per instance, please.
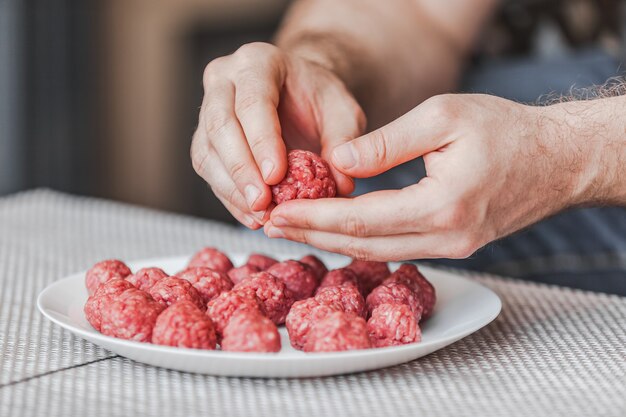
(552, 351)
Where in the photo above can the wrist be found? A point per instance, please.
(592, 146)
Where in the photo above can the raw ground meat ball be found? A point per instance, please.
(298, 277)
(105, 294)
(409, 275)
(338, 331)
(103, 272)
(211, 258)
(347, 296)
(145, 278)
(316, 265)
(395, 293)
(221, 309)
(237, 275)
(184, 325)
(170, 290)
(308, 176)
(304, 314)
(250, 331)
(208, 282)
(393, 325)
(132, 316)
(274, 295)
(260, 261)
(370, 273)
(338, 277)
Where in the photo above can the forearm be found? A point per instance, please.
(594, 134)
(391, 55)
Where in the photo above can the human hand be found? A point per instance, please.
(493, 167)
(258, 102)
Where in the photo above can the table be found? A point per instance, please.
(552, 351)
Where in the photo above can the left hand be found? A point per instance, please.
(493, 167)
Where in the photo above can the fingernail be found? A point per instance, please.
(252, 193)
(274, 232)
(345, 155)
(280, 221)
(267, 167)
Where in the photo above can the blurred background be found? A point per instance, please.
(101, 98)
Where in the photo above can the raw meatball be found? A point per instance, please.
(274, 295)
(304, 314)
(250, 331)
(170, 290)
(370, 273)
(260, 261)
(395, 293)
(208, 282)
(130, 316)
(409, 275)
(347, 296)
(393, 325)
(241, 273)
(338, 277)
(298, 278)
(211, 258)
(103, 272)
(184, 325)
(308, 176)
(145, 278)
(316, 265)
(105, 294)
(221, 309)
(338, 331)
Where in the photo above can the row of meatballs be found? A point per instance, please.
(212, 302)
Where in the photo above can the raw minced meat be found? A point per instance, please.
(221, 309)
(316, 265)
(260, 261)
(207, 282)
(370, 274)
(336, 332)
(275, 296)
(347, 296)
(304, 314)
(211, 258)
(132, 316)
(184, 325)
(337, 277)
(308, 176)
(105, 294)
(170, 290)
(393, 325)
(299, 278)
(250, 331)
(241, 273)
(145, 278)
(395, 293)
(409, 275)
(104, 271)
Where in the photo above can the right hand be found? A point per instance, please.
(259, 102)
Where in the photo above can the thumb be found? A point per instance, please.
(402, 140)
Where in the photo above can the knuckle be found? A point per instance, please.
(246, 103)
(216, 122)
(354, 225)
(250, 52)
(444, 108)
(237, 170)
(355, 249)
(453, 217)
(464, 247)
(379, 145)
(213, 69)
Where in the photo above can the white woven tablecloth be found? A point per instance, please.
(552, 351)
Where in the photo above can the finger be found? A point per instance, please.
(227, 138)
(341, 121)
(378, 213)
(402, 140)
(225, 190)
(256, 101)
(377, 248)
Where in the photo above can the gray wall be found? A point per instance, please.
(11, 177)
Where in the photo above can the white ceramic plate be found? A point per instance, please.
(463, 307)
